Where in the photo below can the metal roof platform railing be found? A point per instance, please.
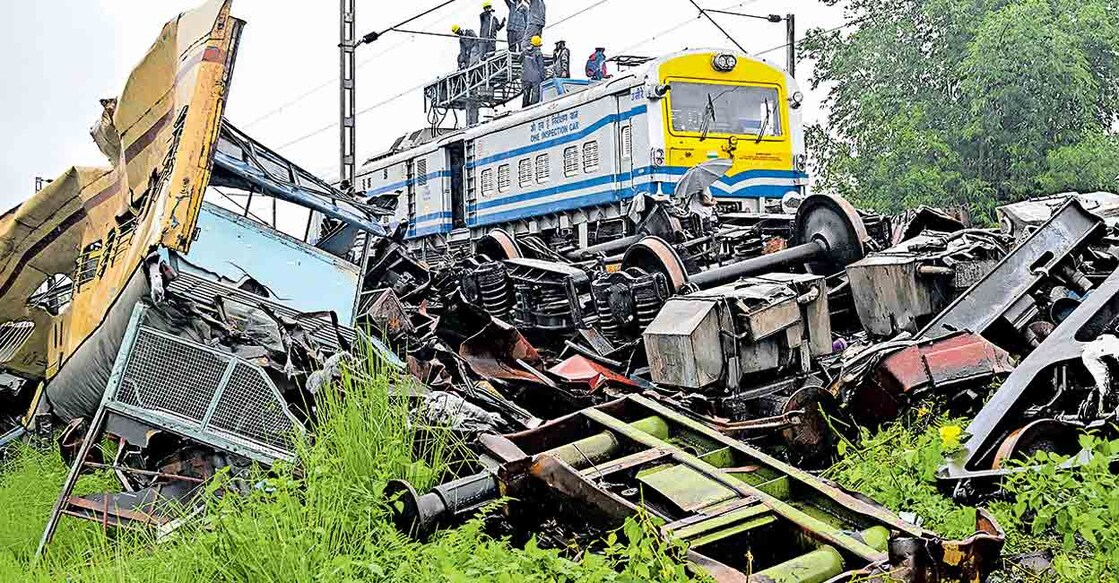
(490, 83)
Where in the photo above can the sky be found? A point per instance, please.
(62, 56)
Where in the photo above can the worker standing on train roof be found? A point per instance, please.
(596, 65)
(561, 60)
(489, 28)
(467, 47)
(516, 23)
(532, 74)
(537, 19)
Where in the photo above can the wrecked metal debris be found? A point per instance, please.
(725, 499)
(169, 319)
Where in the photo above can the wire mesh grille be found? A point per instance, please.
(169, 376)
(173, 377)
(13, 335)
(249, 408)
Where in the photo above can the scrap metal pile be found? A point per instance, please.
(696, 366)
(669, 363)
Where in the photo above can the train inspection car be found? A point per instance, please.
(569, 166)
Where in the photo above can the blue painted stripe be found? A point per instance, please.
(756, 191)
(406, 183)
(585, 201)
(579, 135)
(588, 200)
(732, 179)
(433, 216)
(626, 176)
(590, 183)
(614, 195)
(425, 231)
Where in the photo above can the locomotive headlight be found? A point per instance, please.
(724, 63)
(658, 156)
(796, 100)
(800, 162)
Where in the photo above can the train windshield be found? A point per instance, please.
(725, 109)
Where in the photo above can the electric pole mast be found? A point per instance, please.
(791, 33)
(348, 110)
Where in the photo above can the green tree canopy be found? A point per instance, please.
(972, 102)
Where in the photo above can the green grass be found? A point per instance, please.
(1073, 513)
(325, 521)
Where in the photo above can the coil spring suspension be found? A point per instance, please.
(494, 289)
(627, 302)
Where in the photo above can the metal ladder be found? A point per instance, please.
(471, 175)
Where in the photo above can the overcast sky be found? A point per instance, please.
(61, 56)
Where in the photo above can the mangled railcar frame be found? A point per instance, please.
(161, 306)
(745, 515)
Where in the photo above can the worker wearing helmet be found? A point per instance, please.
(532, 74)
(536, 19)
(516, 23)
(468, 49)
(489, 28)
(561, 60)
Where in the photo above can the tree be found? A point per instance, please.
(967, 102)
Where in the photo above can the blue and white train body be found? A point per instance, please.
(572, 163)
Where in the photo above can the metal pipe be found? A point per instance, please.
(607, 247)
(599, 448)
(418, 515)
(756, 265)
(819, 565)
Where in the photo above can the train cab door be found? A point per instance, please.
(456, 164)
(624, 139)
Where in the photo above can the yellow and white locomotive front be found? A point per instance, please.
(726, 105)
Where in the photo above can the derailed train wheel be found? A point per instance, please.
(834, 223)
(1043, 435)
(498, 245)
(811, 440)
(655, 255)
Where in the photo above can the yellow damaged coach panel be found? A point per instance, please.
(67, 253)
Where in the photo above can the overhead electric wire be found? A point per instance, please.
(680, 24)
(579, 13)
(447, 35)
(359, 113)
(704, 13)
(375, 35)
(424, 84)
(360, 64)
(855, 22)
(328, 83)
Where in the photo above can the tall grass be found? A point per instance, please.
(325, 520)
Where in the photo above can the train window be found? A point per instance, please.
(421, 172)
(524, 172)
(571, 161)
(487, 182)
(503, 178)
(590, 156)
(725, 109)
(627, 142)
(53, 295)
(543, 172)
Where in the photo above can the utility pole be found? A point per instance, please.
(348, 108)
(791, 33)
